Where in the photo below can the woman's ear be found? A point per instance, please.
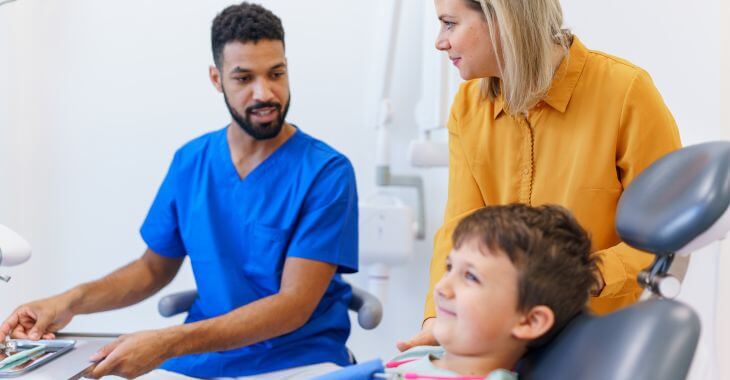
(534, 323)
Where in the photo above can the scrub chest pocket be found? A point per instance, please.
(267, 250)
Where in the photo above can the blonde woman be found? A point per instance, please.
(542, 119)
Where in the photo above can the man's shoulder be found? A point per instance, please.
(196, 149)
(200, 144)
(322, 155)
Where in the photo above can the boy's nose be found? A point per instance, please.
(443, 288)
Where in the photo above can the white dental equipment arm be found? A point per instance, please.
(14, 250)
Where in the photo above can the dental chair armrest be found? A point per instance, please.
(176, 303)
(368, 308)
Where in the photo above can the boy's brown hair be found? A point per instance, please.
(551, 251)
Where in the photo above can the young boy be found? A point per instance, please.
(515, 278)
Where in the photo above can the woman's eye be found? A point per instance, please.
(448, 267)
(448, 25)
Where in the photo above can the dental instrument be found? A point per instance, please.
(22, 357)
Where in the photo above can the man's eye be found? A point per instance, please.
(245, 79)
(278, 75)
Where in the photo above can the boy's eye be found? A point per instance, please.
(471, 277)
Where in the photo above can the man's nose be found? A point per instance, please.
(262, 91)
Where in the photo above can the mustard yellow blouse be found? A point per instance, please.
(601, 123)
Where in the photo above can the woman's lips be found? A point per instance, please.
(455, 61)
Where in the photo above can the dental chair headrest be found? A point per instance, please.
(655, 339)
(680, 202)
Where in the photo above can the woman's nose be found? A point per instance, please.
(442, 43)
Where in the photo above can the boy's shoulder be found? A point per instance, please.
(419, 360)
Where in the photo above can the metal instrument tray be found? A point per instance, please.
(54, 349)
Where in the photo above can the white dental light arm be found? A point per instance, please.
(14, 250)
(438, 86)
(387, 44)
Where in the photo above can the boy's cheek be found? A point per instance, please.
(442, 330)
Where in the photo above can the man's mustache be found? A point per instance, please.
(256, 106)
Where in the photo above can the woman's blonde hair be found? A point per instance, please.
(529, 30)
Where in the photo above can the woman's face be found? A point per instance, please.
(465, 37)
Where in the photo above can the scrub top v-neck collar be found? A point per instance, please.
(230, 172)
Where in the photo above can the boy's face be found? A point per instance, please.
(476, 301)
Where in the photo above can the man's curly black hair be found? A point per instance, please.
(245, 22)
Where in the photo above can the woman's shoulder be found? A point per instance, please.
(620, 71)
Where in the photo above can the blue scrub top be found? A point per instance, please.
(300, 202)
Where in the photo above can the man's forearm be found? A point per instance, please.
(303, 285)
(258, 321)
(124, 287)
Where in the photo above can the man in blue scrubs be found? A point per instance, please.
(267, 215)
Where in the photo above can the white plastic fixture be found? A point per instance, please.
(386, 234)
(14, 250)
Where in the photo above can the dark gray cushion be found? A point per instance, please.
(676, 199)
(655, 339)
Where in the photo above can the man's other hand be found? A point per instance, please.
(131, 355)
(37, 320)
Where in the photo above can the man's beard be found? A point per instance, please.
(261, 131)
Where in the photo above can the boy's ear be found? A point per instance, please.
(534, 324)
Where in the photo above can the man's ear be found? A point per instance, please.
(534, 323)
(215, 77)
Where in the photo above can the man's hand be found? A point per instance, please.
(423, 338)
(131, 355)
(36, 320)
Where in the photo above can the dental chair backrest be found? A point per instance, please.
(677, 205)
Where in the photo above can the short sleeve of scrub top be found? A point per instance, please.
(327, 228)
(160, 231)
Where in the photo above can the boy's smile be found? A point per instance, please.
(476, 300)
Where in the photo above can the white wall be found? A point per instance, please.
(723, 296)
(98, 94)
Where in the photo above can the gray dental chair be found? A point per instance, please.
(368, 308)
(676, 206)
